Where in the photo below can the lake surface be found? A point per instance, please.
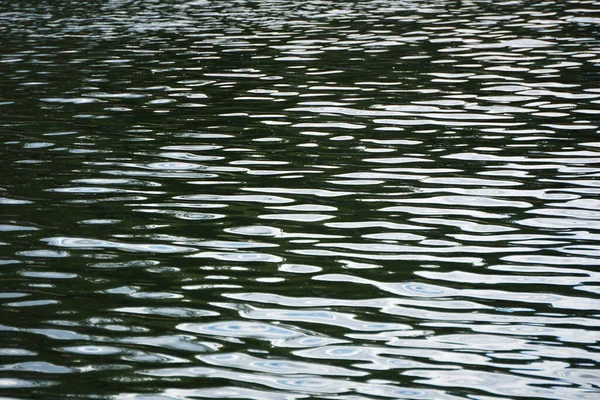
(299, 200)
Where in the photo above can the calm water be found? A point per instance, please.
(299, 200)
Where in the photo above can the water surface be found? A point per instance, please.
(292, 200)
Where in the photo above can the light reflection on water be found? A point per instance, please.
(290, 200)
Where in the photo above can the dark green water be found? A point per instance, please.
(299, 200)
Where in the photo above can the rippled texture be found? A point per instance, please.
(291, 200)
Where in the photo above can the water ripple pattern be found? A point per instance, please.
(300, 200)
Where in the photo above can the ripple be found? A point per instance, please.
(167, 311)
(305, 217)
(280, 367)
(277, 335)
(12, 228)
(93, 350)
(9, 383)
(242, 198)
(83, 243)
(239, 256)
(257, 230)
